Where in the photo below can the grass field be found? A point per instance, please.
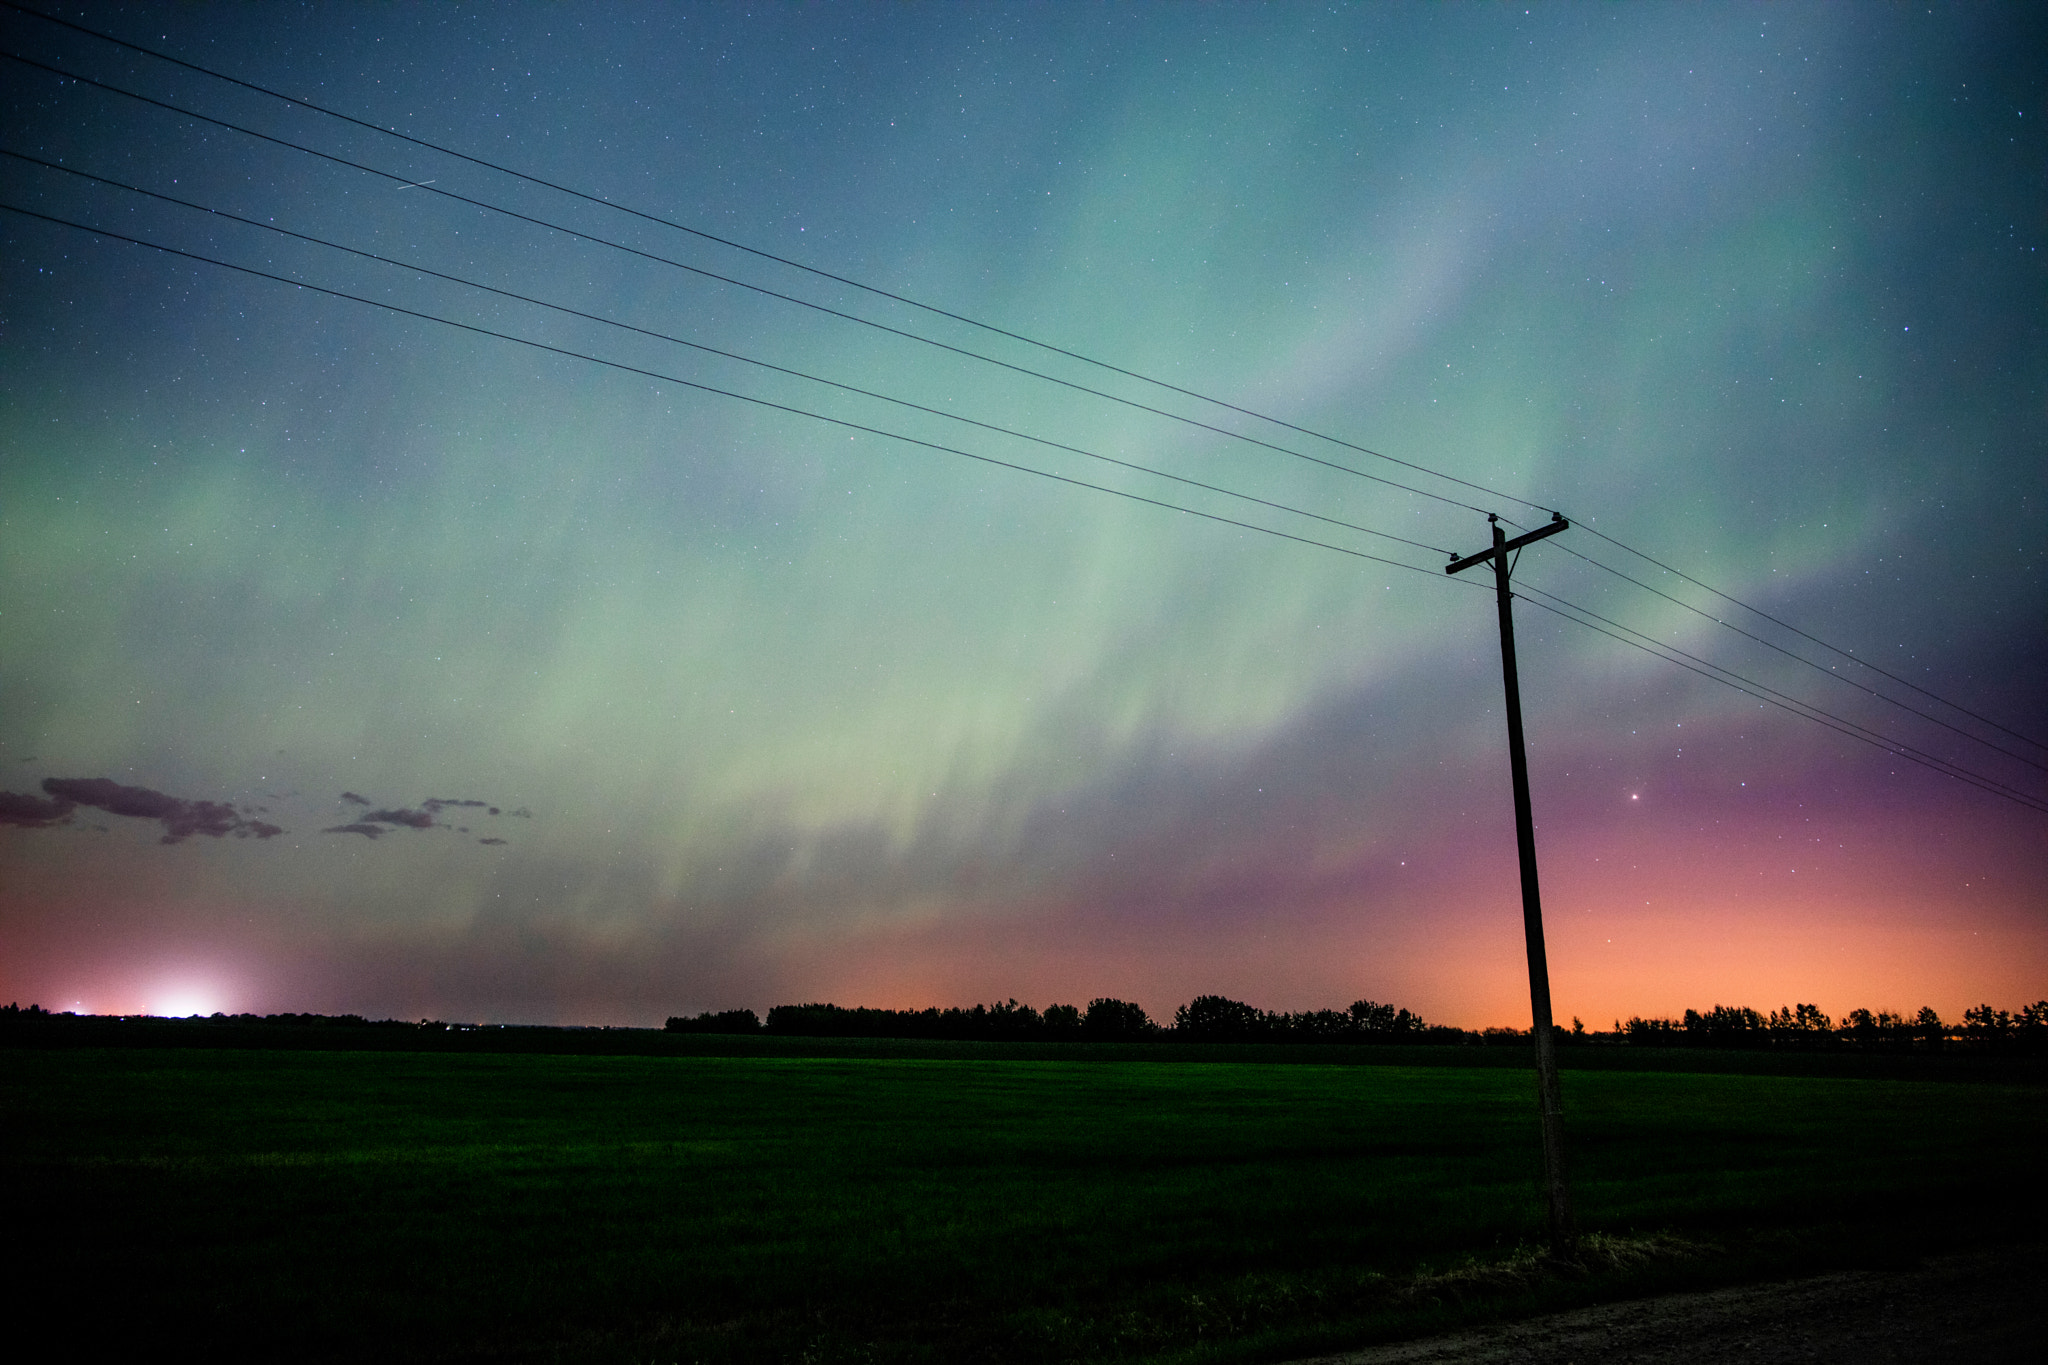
(312, 1205)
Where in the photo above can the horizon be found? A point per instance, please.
(355, 663)
(1837, 1021)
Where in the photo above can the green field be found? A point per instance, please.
(357, 1205)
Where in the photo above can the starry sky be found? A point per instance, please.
(354, 661)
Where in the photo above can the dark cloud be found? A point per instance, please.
(180, 817)
(115, 799)
(383, 820)
(411, 819)
(32, 812)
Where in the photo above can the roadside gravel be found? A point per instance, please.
(1978, 1308)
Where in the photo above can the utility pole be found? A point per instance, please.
(1549, 1100)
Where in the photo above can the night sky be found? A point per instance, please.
(353, 662)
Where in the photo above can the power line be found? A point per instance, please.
(961, 318)
(564, 229)
(1903, 682)
(769, 256)
(1791, 654)
(1789, 702)
(983, 326)
(1983, 784)
(1825, 672)
(713, 350)
(1804, 710)
(722, 393)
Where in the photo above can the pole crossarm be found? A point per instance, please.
(1557, 523)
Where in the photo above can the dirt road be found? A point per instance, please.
(1982, 1308)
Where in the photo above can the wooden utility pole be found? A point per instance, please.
(1549, 1100)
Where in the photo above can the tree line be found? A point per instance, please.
(1219, 1019)
(1207, 1018)
(1807, 1026)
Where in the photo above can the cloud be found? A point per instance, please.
(371, 823)
(180, 817)
(411, 819)
(32, 812)
(383, 820)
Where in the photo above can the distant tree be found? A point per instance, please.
(1008, 1019)
(725, 1021)
(1985, 1021)
(1801, 1026)
(815, 1020)
(1642, 1032)
(1372, 1017)
(1877, 1028)
(1312, 1026)
(1062, 1021)
(1726, 1026)
(1381, 1022)
(1219, 1019)
(1793, 1020)
(1109, 1020)
(1929, 1026)
(2025, 1028)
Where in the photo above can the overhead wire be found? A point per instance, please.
(1787, 625)
(1988, 785)
(1762, 693)
(1794, 655)
(699, 233)
(717, 351)
(991, 328)
(763, 290)
(713, 389)
(1778, 698)
(964, 319)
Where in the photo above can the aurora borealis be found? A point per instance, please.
(771, 710)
